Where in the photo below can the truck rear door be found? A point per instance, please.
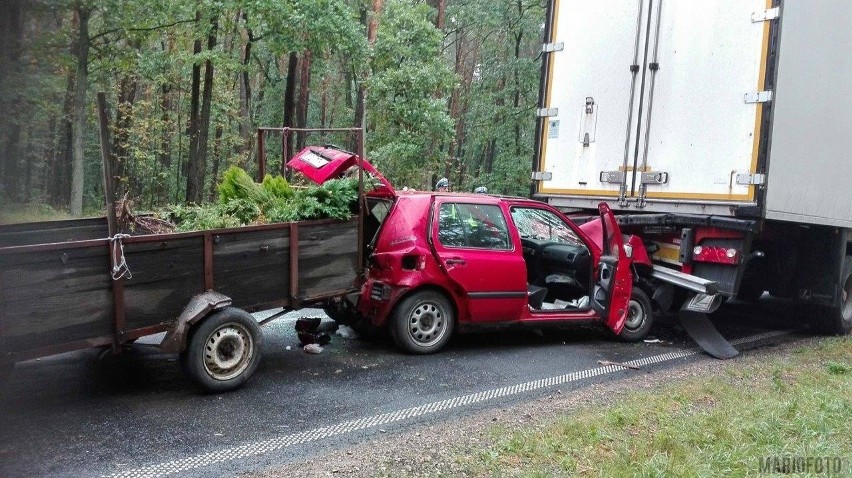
(655, 102)
(477, 250)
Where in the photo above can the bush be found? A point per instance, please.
(243, 201)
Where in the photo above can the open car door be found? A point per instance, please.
(613, 282)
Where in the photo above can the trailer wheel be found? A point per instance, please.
(422, 323)
(223, 350)
(640, 317)
(838, 320)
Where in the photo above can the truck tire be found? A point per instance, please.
(640, 317)
(838, 320)
(422, 323)
(223, 350)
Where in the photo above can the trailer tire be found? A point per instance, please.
(223, 350)
(640, 317)
(838, 320)
(422, 323)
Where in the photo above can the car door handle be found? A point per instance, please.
(455, 262)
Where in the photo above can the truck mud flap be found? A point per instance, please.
(702, 331)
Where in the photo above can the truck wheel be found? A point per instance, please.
(422, 323)
(223, 350)
(640, 317)
(838, 320)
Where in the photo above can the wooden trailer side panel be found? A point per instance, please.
(253, 267)
(53, 297)
(165, 275)
(328, 258)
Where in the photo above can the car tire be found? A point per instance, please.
(838, 320)
(223, 351)
(640, 317)
(422, 323)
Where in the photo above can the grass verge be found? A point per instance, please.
(792, 406)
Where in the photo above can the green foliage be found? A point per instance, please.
(196, 218)
(276, 186)
(458, 102)
(336, 199)
(243, 202)
(407, 116)
(237, 184)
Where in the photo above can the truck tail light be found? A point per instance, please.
(716, 254)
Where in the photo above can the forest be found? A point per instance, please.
(443, 88)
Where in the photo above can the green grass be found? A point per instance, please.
(798, 405)
(11, 213)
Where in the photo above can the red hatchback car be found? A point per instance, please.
(443, 262)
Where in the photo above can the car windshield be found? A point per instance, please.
(544, 225)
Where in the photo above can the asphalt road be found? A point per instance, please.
(80, 414)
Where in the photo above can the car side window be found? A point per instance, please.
(479, 226)
(541, 224)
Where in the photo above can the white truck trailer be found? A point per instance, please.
(721, 130)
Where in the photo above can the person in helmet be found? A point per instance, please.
(443, 185)
(481, 190)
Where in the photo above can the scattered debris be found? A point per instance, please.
(288, 347)
(654, 341)
(309, 333)
(346, 332)
(619, 364)
(312, 349)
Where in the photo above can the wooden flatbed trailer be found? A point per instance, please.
(69, 285)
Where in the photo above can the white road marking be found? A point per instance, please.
(273, 444)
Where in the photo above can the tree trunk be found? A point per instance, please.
(200, 166)
(304, 96)
(289, 102)
(81, 82)
(121, 139)
(246, 130)
(217, 152)
(11, 37)
(194, 101)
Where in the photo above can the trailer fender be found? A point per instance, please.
(198, 307)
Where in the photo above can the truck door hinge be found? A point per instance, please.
(545, 112)
(758, 97)
(542, 176)
(747, 179)
(551, 47)
(766, 15)
(654, 177)
(612, 177)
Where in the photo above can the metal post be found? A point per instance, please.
(261, 155)
(285, 153)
